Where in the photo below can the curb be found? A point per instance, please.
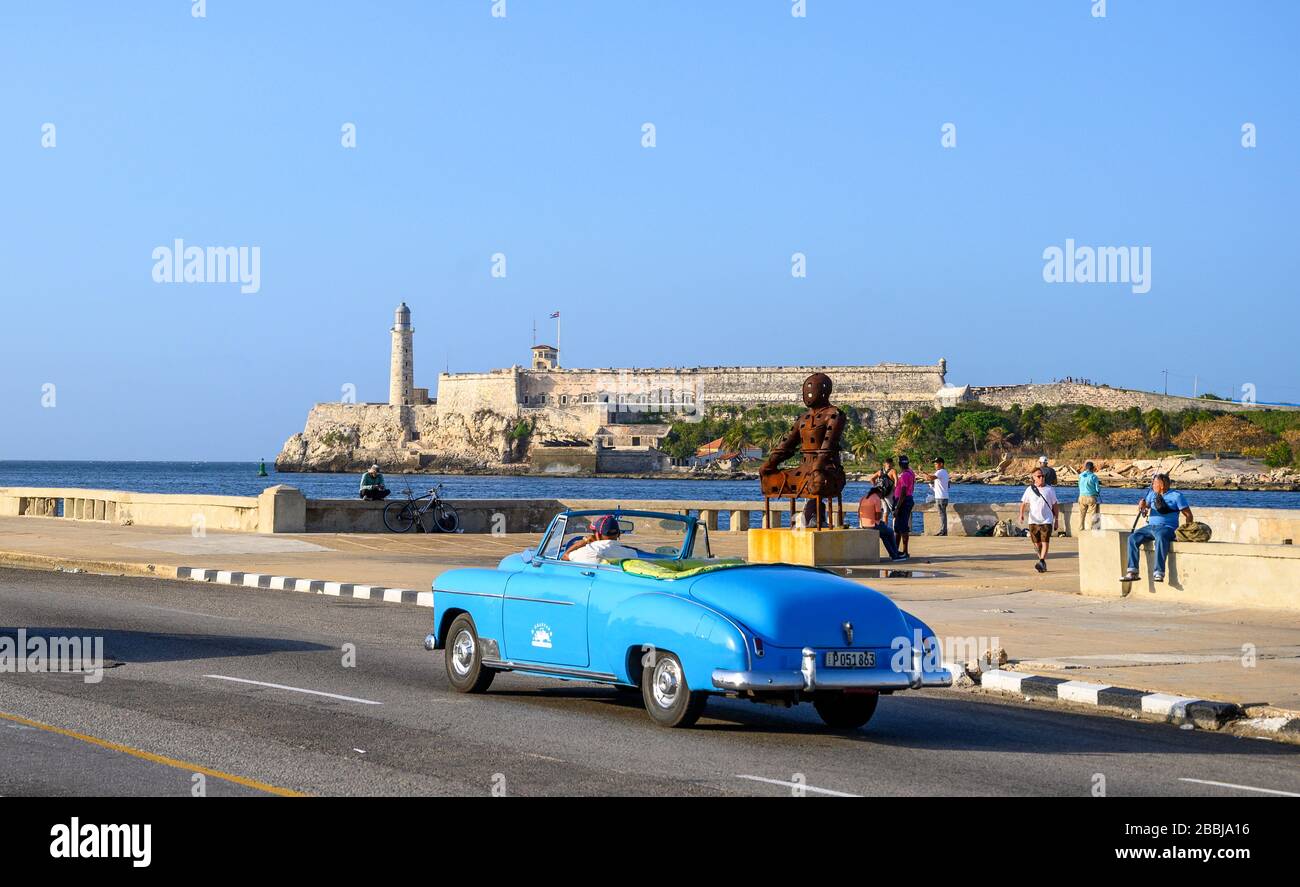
(1183, 710)
(310, 586)
(23, 560)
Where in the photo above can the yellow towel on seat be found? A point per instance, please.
(677, 569)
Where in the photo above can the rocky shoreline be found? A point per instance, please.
(1187, 472)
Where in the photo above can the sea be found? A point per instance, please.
(241, 479)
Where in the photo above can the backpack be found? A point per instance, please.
(1193, 532)
(886, 485)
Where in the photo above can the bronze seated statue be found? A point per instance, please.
(820, 474)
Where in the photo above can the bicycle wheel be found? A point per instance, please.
(445, 518)
(399, 516)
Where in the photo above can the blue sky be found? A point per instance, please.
(523, 135)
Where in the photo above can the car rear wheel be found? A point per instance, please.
(845, 711)
(668, 699)
(464, 658)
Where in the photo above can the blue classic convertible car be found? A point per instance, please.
(677, 624)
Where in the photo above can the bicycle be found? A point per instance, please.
(401, 515)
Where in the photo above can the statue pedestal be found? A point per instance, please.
(814, 548)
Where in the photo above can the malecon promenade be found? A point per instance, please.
(1196, 636)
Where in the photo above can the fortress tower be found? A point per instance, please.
(401, 374)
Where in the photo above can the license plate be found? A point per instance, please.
(850, 659)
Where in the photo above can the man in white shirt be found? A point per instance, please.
(601, 545)
(939, 483)
(1041, 503)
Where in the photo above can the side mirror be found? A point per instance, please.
(625, 527)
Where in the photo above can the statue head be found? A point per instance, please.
(817, 390)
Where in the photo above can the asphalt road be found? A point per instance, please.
(175, 713)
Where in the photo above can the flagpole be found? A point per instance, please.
(557, 338)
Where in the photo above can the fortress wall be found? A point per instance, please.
(853, 385)
(577, 422)
(903, 384)
(610, 386)
(468, 393)
(359, 425)
(1062, 393)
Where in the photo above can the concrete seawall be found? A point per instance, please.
(1240, 525)
(284, 509)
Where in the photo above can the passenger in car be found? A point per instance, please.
(601, 545)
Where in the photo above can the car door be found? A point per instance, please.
(545, 612)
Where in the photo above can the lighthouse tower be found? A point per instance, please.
(401, 374)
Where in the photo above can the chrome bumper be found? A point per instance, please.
(808, 678)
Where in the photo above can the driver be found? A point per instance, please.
(602, 544)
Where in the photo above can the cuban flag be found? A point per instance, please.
(555, 316)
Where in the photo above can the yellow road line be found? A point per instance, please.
(156, 759)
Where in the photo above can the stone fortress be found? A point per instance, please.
(553, 419)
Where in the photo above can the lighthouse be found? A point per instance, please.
(401, 375)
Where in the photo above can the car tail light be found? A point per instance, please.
(758, 646)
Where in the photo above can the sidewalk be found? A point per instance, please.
(980, 588)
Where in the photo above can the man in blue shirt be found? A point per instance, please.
(1162, 507)
(1089, 497)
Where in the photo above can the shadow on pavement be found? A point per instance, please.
(143, 646)
(936, 723)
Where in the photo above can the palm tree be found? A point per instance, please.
(997, 439)
(1157, 426)
(862, 443)
(1031, 423)
(770, 432)
(734, 438)
(909, 430)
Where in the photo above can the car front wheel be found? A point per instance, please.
(845, 711)
(668, 699)
(464, 658)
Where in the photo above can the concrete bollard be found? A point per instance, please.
(281, 509)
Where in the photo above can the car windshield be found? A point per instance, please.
(650, 537)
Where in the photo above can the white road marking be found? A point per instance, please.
(222, 677)
(807, 788)
(1245, 788)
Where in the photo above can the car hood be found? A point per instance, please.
(799, 606)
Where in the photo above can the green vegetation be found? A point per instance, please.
(978, 436)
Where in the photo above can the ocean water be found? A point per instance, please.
(240, 479)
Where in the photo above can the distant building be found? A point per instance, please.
(546, 357)
(615, 420)
(715, 451)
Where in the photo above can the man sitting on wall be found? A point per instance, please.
(372, 484)
(1162, 507)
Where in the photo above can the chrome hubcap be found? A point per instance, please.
(667, 682)
(462, 653)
